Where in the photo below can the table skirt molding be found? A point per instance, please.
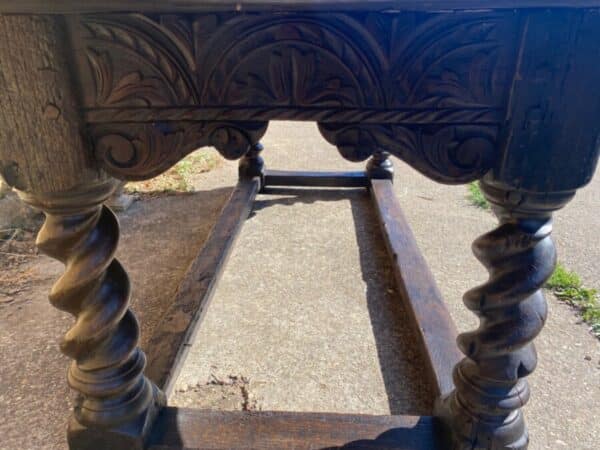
(436, 100)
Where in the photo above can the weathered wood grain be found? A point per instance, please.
(41, 146)
(551, 140)
(224, 430)
(418, 290)
(169, 343)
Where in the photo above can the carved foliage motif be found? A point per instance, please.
(134, 61)
(328, 60)
(141, 151)
(415, 81)
(449, 154)
(445, 60)
(292, 60)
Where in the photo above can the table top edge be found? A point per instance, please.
(108, 6)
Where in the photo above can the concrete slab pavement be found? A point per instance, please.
(292, 314)
(317, 335)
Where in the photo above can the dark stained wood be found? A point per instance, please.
(559, 62)
(169, 343)
(315, 179)
(66, 6)
(252, 164)
(380, 166)
(500, 90)
(485, 409)
(418, 290)
(44, 155)
(179, 428)
(194, 83)
(116, 403)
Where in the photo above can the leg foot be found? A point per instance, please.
(128, 436)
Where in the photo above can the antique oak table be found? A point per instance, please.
(502, 91)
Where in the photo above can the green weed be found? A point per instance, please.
(476, 197)
(178, 178)
(567, 286)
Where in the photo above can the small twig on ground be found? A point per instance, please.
(425, 198)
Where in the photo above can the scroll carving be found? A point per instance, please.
(449, 154)
(427, 87)
(136, 152)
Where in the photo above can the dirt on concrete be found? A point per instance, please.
(229, 394)
(160, 236)
(302, 318)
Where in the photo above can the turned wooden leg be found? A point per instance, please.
(116, 403)
(485, 409)
(380, 166)
(252, 164)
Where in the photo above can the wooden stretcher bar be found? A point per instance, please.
(178, 428)
(170, 342)
(315, 179)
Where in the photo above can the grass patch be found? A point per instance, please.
(178, 178)
(567, 286)
(476, 197)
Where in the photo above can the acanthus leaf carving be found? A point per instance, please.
(443, 60)
(135, 61)
(429, 88)
(132, 88)
(414, 60)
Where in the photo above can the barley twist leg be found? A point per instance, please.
(116, 403)
(485, 409)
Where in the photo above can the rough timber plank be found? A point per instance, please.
(418, 289)
(168, 345)
(178, 428)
